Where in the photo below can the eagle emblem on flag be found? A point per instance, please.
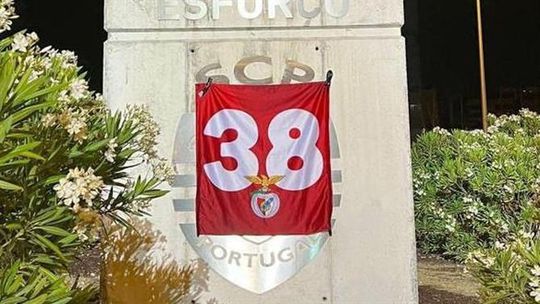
(264, 203)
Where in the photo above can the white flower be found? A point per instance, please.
(147, 140)
(488, 261)
(48, 120)
(526, 235)
(75, 126)
(109, 156)
(504, 227)
(441, 131)
(81, 232)
(99, 98)
(79, 89)
(33, 37)
(79, 185)
(482, 258)
(110, 153)
(473, 209)
(536, 270)
(46, 49)
(35, 75)
(450, 223)
(65, 190)
(508, 189)
(30, 60)
(536, 294)
(4, 13)
(7, 13)
(63, 96)
(163, 170)
(500, 245)
(492, 129)
(68, 58)
(476, 132)
(22, 42)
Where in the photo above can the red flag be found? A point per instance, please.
(263, 159)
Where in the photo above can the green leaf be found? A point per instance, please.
(52, 215)
(14, 300)
(15, 163)
(7, 77)
(23, 81)
(39, 300)
(44, 259)
(32, 155)
(31, 286)
(97, 145)
(68, 239)
(47, 214)
(27, 91)
(9, 276)
(48, 244)
(126, 153)
(75, 154)
(5, 126)
(154, 193)
(9, 186)
(63, 301)
(14, 226)
(53, 179)
(25, 112)
(54, 230)
(18, 150)
(4, 43)
(18, 282)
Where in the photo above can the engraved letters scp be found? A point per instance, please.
(293, 71)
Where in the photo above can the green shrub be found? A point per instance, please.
(26, 283)
(474, 188)
(64, 161)
(509, 273)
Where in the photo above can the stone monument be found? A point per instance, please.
(158, 49)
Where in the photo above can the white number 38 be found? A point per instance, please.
(293, 135)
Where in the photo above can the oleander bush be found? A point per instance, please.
(473, 189)
(508, 273)
(66, 164)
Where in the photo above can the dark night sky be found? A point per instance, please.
(513, 42)
(444, 32)
(68, 25)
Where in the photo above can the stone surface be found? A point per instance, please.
(371, 256)
(169, 14)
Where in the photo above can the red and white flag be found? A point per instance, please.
(263, 159)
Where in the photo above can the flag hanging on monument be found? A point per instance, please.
(263, 159)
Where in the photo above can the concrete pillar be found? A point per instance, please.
(158, 49)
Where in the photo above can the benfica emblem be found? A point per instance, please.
(264, 203)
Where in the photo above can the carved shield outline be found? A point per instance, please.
(255, 263)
